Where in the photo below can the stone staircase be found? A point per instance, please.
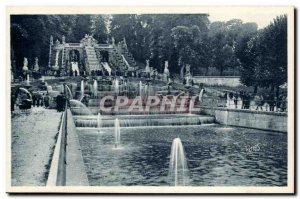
(116, 59)
(121, 58)
(127, 55)
(93, 61)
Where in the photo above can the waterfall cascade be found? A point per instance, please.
(178, 171)
(140, 120)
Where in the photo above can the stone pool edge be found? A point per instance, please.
(75, 169)
(262, 120)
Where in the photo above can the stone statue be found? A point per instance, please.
(113, 40)
(187, 71)
(25, 65)
(36, 65)
(51, 40)
(63, 39)
(151, 71)
(125, 44)
(55, 67)
(147, 70)
(73, 57)
(89, 41)
(57, 42)
(188, 74)
(182, 72)
(166, 70)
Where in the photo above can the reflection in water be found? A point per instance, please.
(214, 157)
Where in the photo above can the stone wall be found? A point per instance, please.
(75, 170)
(231, 81)
(274, 121)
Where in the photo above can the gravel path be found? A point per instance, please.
(33, 141)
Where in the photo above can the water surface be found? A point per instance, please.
(216, 156)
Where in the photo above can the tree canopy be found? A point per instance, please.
(263, 56)
(260, 56)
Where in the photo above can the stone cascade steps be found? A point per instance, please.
(127, 55)
(107, 121)
(92, 59)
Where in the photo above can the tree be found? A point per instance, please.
(99, 28)
(30, 35)
(191, 46)
(275, 40)
(82, 26)
(250, 56)
(223, 54)
(169, 30)
(225, 40)
(264, 57)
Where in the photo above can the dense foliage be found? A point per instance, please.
(260, 56)
(263, 56)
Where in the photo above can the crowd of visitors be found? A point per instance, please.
(25, 100)
(267, 102)
(40, 99)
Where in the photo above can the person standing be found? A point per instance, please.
(58, 103)
(33, 99)
(38, 100)
(46, 100)
(12, 102)
(42, 99)
(272, 102)
(235, 100)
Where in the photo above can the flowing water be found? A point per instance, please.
(201, 95)
(27, 80)
(178, 171)
(82, 89)
(117, 86)
(117, 133)
(143, 120)
(79, 108)
(95, 86)
(99, 121)
(141, 89)
(70, 92)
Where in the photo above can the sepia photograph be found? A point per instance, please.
(150, 100)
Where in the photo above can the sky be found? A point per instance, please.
(262, 19)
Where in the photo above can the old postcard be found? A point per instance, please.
(150, 100)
